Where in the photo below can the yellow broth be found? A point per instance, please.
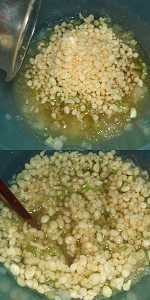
(39, 115)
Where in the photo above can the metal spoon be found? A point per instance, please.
(17, 23)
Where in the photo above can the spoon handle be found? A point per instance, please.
(16, 205)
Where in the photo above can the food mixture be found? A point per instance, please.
(94, 211)
(86, 76)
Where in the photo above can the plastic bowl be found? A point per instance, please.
(12, 162)
(133, 15)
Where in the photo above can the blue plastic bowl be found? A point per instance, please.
(12, 162)
(16, 133)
